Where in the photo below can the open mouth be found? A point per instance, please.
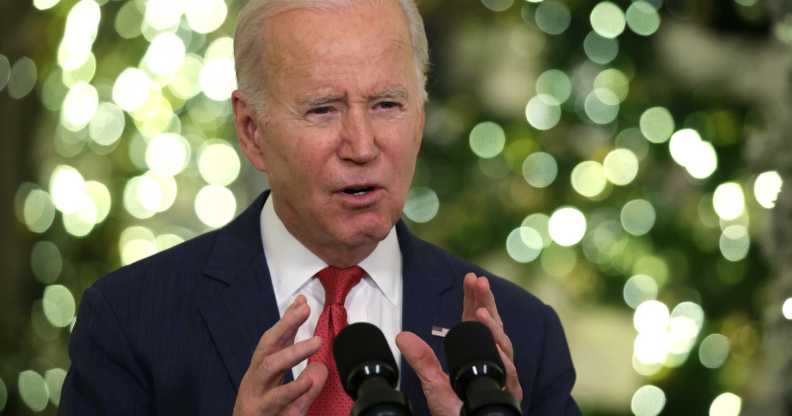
(358, 190)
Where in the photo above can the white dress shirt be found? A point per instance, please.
(376, 299)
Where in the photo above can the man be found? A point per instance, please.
(330, 107)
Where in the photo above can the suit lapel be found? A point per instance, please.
(236, 296)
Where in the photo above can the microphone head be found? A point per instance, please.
(471, 344)
(358, 345)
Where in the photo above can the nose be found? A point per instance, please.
(358, 139)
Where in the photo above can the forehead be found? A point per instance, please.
(366, 39)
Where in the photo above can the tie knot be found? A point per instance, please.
(338, 282)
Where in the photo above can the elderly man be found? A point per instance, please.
(331, 109)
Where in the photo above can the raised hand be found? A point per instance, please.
(261, 392)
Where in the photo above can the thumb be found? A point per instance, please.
(437, 388)
(421, 358)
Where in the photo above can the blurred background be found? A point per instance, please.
(624, 160)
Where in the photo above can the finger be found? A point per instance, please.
(317, 372)
(501, 339)
(283, 396)
(440, 397)
(420, 357)
(486, 299)
(512, 380)
(469, 300)
(282, 333)
(271, 368)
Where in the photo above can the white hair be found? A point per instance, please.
(248, 61)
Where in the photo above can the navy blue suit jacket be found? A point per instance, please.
(174, 333)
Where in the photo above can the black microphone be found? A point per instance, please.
(477, 372)
(368, 372)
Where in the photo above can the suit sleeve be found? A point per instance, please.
(552, 394)
(104, 377)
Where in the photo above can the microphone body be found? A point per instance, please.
(477, 372)
(368, 372)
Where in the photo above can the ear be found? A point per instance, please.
(248, 130)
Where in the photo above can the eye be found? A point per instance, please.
(322, 110)
(388, 105)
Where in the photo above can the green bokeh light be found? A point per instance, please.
(642, 18)
(422, 204)
(552, 17)
(657, 124)
(607, 19)
(33, 390)
(487, 139)
(600, 49)
(59, 305)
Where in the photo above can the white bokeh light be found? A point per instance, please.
(697, 156)
(215, 205)
(218, 79)
(167, 154)
(567, 226)
(67, 188)
(131, 89)
(164, 14)
(621, 166)
(165, 54)
(786, 309)
(728, 201)
(726, 404)
(206, 16)
(767, 187)
(651, 316)
(79, 106)
(218, 163)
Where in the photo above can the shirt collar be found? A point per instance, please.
(292, 265)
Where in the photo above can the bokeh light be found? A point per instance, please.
(487, 139)
(607, 19)
(46, 261)
(59, 305)
(165, 55)
(648, 400)
(552, 17)
(567, 226)
(218, 163)
(543, 112)
(538, 222)
(44, 5)
(524, 244)
(786, 309)
(726, 404)
(588, 178)
(5, 71)
(599, 49)
(54, 378)
(131, 89)
(540, 169)
(620, 166)
(766, 188)
(167, 154)
(206, 16)
(136, 243)
(734, 242)
(639, 289)
(422, 204)
(728, 201)
(218, 76)
(215, 205)
(657, 124)
(554, 83)
(638, 217)
(38, 211)
(714, 350)
(642, 18)
(498, 5)
(601, 106)
(107, 124)
(613, 80)
(24, 74)
(79, 106)
(3, 395)
(33, 390)
(697, 156)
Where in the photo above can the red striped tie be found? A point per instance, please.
(333, 401)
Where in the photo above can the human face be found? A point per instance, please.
(341, 125)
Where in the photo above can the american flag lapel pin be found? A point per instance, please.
(439, 331)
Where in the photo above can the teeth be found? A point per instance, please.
(359, 193)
